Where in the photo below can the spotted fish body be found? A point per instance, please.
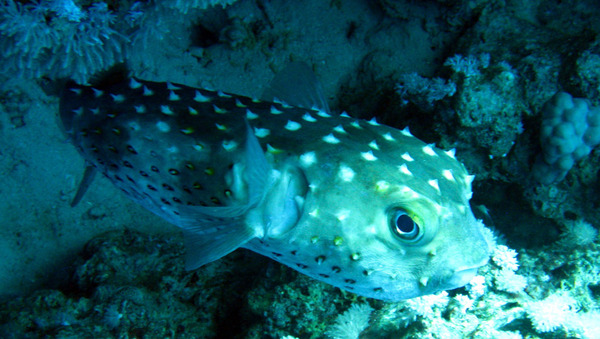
(362, 206)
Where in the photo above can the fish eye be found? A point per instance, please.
(405, 226)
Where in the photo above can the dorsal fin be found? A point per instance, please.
(298, 86)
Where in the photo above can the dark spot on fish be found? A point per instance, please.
(230, 166)
(165, 201)
(187, 190)
(323, 275)
(350, 281)
(100, 161)
(83, 132)
(154, 169)
(302, 266)
(202, 203)
(94, 149)
(349, 288)
(173, 171)
(293, 252)
(190, 166)
(276, 254)
(131, 149)
(167, 187)
(177, 200)
(366, 273)
(215, 200)
(114, 166)
(129, 178)
(175, 212)
(320, 259)
(144, 174)
(336, 269)
(378, 289)
(197, 186)
(150, 187)
(112, 149)
(209, 171)
(127, 164)
(118, 177)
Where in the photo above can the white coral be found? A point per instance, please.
(351, 323)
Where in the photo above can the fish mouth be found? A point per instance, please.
(463, 276)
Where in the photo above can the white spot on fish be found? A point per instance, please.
(448, 175)
(434, 183)
(95, 111)
(307, 159)
(382, 186)
(172, 87)
(164, 109)
(134, 84)
(97, 93)
(388, 137)
(251, 115)
(173, 149)
(314, 213)
(229, 145)
(274, 110)
(406, 132)
(174, 96)
(323, 114)
(192, 110)
(373, 145)
(292, 126)
(78, 111)
(428, 149)
(356, 124)
(272, 149)
(147, 91)
(408, 191)
(344, 115)
(140, 109)
(223, 95)
(346, 173)
(239, 104)
(404, 169)
(469, 180)
(308, 117)
(342, 215)
(331, 139)
(77, 91)
(339, 129)
(219, 110)
(368, 156)
(373, 122)
(198, 146)
(407, 157)
(451, 153)
(163, 126)
(198, 97)
(261, 132)
(221, 127)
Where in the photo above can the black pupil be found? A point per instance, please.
(405, 224)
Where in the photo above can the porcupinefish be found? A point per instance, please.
(353, 203)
